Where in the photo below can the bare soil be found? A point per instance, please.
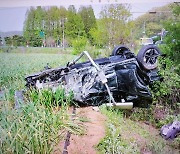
(95, 131)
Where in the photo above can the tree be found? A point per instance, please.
(52, 23)
(98, 35)
(172, 43)
(88, 18)
(55, 23)
(63, 20)
(167, 92)
(116, 24)
(17, 40)
(33, 25)
(72, 9)
(8, 41)
(29, 24)
(74, 26)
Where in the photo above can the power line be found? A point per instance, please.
(153, 12)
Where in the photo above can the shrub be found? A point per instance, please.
(79, 45)
(168, 91)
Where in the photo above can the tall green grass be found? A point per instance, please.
(50, 98)
(38, 126)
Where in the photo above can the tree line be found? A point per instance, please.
(58, 26)
(61, 27)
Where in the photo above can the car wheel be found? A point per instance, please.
(148, 56)
(120, 50)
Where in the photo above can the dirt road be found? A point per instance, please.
(95, 131)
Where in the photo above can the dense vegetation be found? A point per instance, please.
(58, 24)
(152, 23)
(165, 108)
(124, 135)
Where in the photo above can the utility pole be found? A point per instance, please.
(1, 42)
(63, 22)
(63, 33)
(144, 28)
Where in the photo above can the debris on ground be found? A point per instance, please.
(2, 95)
(171, 131)
(19, 98)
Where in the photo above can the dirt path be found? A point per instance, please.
(95, 131)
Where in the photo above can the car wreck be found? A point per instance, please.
(121, 77)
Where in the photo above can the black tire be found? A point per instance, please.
(148, 56)
(120, 50)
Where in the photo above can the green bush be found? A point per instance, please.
(166, 94)
(79, 45)
(95, 53)
(168, 91)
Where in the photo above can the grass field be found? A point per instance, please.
(47, 50)
(15, 66)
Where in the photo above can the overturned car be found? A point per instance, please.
(121, 77)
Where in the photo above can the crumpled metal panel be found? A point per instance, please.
(122, 77)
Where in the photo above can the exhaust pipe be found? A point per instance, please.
(127, 105)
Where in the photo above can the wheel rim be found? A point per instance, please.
(150, 56)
